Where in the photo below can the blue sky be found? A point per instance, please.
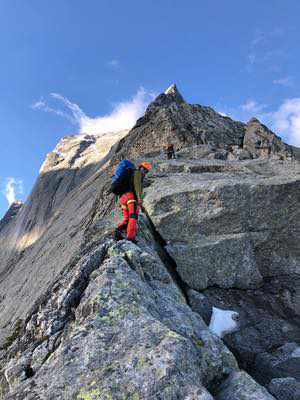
(67, 64)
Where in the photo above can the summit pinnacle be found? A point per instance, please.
(174, 92)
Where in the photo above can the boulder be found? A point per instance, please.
(224, 228)
(226, 261)
(240, 386)
(285, 388)
(221, 155)
(280, 363)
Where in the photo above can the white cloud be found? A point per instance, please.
(287, 81)
(12, 188)
(123, 115)
(286, 121)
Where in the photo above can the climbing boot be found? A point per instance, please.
(132, 240)
(117, 235)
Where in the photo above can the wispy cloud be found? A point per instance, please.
(252, 107)
(251, 58)
(245, 111)
(13, 187)
(77, 114)
(286, 81)
(42, 105)
(114, 63)
(123, 115)
(265, 49)
(39, 104)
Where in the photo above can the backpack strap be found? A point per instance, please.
(137, 184)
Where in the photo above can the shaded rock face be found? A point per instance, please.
(268, 319)
(10, 214)
(85, 317)
(282, 362)
(57, 207)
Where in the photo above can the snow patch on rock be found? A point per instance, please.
(296, 352)
(223, 321)
(59, 153)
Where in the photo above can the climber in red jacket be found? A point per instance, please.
(131, 201)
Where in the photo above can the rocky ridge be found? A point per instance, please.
(96, 319)
(11, 213)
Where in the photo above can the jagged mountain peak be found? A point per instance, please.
(169, 118)
(173, 92)
(169, 97)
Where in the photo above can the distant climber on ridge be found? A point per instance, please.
(169, 151)
(127, 183)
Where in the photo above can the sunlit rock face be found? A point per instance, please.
(223, 227)
(79, 151)
(85, 317)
